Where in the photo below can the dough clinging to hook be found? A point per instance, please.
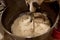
(30, 2)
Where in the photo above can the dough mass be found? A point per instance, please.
(28, 26)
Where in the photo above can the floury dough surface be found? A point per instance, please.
(24, 27)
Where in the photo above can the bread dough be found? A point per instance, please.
(24, 27)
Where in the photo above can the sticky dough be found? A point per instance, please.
(22, 26)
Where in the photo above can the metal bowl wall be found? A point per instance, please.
(14, 8)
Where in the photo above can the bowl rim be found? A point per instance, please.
(56, 21)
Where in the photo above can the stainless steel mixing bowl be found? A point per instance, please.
(15, 8)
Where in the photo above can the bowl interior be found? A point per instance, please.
(15, 9)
